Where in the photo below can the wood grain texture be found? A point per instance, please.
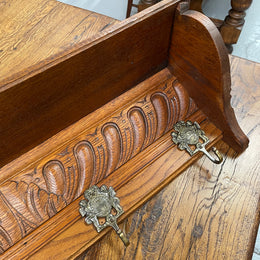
(148, 181)
(32, 34)
(209, 211)
(42, 28)
(63, 88)
(123, 144)
(205, 74)
(38, 192)
(230, 28)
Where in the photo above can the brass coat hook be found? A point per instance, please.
(188, 134)
(101, 203)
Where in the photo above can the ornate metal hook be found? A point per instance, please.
(189, 134)
(102, 203)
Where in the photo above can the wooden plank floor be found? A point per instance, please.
(209, 211)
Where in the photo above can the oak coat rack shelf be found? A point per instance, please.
(102, 114)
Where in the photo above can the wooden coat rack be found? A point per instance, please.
(102, 114)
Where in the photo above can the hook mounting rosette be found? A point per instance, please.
(188, 134)
(101, 203)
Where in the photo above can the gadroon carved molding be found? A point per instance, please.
(36, 194)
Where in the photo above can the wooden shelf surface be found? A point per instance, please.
(209, 211)
(35, 31)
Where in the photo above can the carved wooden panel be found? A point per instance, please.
(37, 193)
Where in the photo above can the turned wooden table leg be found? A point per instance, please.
(145, 3)
(129, 8)
(233, 24)
(196, 5)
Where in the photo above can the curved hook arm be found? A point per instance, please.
(123, 237)
(216, 152)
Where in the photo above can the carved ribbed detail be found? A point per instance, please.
(192, 108)
(152, 123)
(128, 145)
(44, 188)
(85, 157)
(101, 163)
(5, 239)
(54, 176)
(139, 126)
(113, 139)
(163, 112)
(182, 101)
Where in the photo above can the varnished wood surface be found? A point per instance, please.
(89, 76)
(54, 179)
(38, 190)
(79, 236)
(205, 74)
(209, 211)
(33, 34)
(66, 87)
(32, 31)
